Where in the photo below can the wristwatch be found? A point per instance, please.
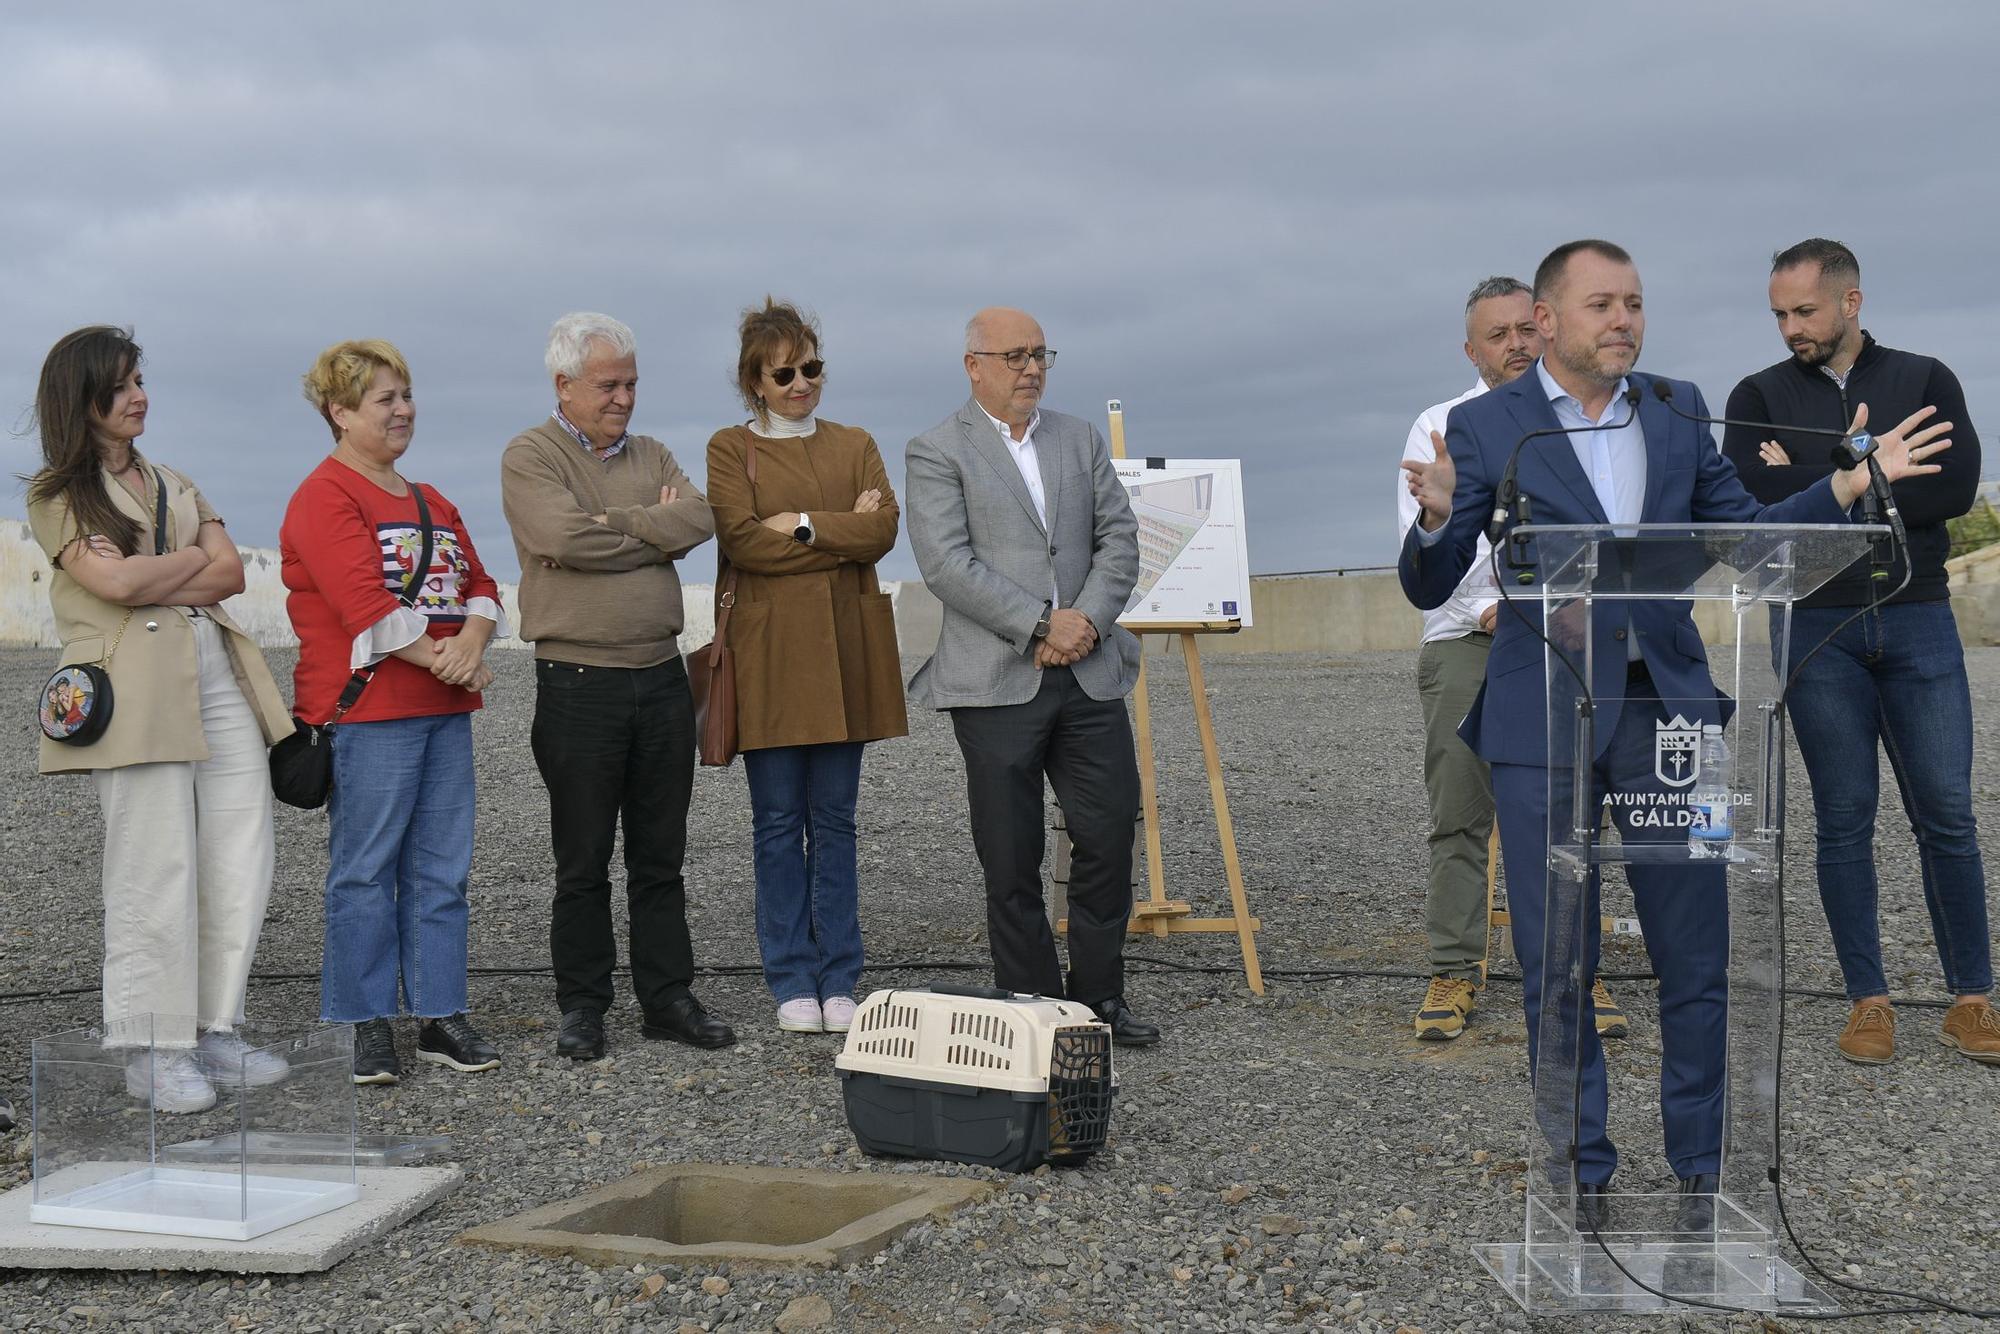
(804, 532)
(1042, 626)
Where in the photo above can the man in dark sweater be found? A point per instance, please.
(1899, 663)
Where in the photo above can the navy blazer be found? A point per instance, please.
(1687, 481)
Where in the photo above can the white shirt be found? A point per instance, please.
(1026, 459)
(1030, 464)
(1459, 614)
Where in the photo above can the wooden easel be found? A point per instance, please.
(1158, 915)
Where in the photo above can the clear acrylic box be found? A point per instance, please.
(104, 1155)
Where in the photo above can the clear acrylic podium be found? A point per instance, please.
(1579, 581)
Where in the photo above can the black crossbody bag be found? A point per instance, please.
(302, 763)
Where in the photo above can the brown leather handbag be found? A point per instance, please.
(712, 667)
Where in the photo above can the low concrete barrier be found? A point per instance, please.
(1332, 612)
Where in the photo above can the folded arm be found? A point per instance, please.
(674, 527)
(861, 538)
(739, 531)
(551, 526)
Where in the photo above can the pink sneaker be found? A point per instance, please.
(838, 1013)
(800, 1016)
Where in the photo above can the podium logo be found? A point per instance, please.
(1677, 751)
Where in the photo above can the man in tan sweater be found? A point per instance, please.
(599, 518)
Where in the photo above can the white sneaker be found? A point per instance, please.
(837, 1013)
(801, 1016)
(224, 1056)
(177, 1082)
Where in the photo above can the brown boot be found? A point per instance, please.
(1973, 1028)
(1870, 1035)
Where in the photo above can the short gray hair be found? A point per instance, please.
(571, 336)
(1495, 286)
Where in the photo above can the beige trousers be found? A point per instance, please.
(187, 871)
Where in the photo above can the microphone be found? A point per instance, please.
(1848, 451)
(1507, 500)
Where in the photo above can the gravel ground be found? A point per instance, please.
(1296, 1161)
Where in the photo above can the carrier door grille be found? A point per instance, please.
(1079, 1090)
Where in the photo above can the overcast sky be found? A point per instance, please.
(1255, 224)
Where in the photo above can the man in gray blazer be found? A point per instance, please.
(1022, 529)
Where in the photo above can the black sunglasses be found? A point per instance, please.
(812, 370)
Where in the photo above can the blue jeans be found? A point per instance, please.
(808, 910)
(1897, 674)
(399, 856)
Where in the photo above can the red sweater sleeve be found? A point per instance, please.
(334, 541)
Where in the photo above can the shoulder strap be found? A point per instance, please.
(422, 571)
(358, 682)
(725, 587)
(159, 513)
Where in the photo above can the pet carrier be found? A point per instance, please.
(977, 1075)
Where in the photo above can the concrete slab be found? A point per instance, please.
(390, 1197)
(698, 1214)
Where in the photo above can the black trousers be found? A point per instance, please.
(617, 744)
(1084, 747)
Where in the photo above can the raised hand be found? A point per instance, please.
(1906, 451)
(1432, 484)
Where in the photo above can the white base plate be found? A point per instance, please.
(186, 1202)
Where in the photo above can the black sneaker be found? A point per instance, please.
(375, 1053)
(453, 1041)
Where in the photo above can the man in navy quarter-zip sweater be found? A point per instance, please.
(1898, 669)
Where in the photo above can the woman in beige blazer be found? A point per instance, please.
(181, 772)
(815, 646)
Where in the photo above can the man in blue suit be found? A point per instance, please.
(1648, 465)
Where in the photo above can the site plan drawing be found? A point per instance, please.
(1194, 563)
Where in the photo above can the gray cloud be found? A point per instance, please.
(1254, 225)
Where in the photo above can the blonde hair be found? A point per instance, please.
(342, 374)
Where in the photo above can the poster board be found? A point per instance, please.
(1194, 560)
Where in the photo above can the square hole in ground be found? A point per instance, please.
(695, 1213)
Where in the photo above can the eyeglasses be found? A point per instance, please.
(1018, 359)
(782, 375)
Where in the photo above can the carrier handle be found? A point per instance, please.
(965, 989)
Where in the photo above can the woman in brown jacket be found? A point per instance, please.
(803, 510)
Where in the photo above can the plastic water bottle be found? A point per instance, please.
(1710, 803)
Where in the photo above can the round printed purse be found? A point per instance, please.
(76, 700)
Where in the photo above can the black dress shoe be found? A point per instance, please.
(684, 1020)
(1127, 1029)
(1695, 1215)
(1593, 1207)
(581, 1037)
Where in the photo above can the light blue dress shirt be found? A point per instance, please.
(1614, 461)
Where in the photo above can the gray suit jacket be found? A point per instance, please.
(992, 563)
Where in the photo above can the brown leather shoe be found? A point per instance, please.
(1974, 1029)
(1870, 1035)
